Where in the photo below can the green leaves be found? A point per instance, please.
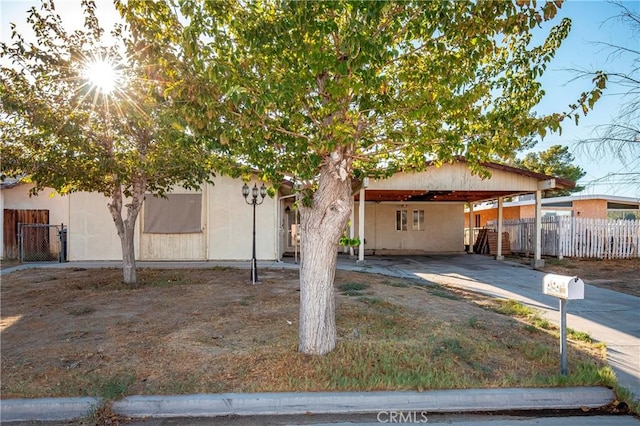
(555, 161)
(279, 85)
(66, 134)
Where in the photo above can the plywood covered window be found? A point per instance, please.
(401, 220)
(176, 214)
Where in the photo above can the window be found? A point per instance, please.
(176, 214)
(418, 220)
(401, 220)
(623, 214)
(477, 219)
(623, 211)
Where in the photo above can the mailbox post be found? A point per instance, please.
(564, 288)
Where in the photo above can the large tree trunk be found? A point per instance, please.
(322, 225)
(126, 227)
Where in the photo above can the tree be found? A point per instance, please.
(323, 93)
(62, 130)
(555, 161)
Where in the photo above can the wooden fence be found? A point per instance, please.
(564, 236)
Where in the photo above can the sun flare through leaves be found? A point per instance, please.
(102, 75)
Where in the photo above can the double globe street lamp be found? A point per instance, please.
(253, 201)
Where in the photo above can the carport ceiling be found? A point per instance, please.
(440, 196)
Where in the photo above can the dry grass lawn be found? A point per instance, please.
(69, 332)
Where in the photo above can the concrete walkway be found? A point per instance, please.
(607, 316)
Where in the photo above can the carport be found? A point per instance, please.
(452, 185)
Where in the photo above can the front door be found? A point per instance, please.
(291, 230)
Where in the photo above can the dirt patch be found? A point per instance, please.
(621, 275)
(69, 332)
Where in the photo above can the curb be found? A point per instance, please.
(46, 408)
(263, 404)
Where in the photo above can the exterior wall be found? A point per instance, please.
(508, 213)
(593, 208)
(596, 209)
(443, 231)
(456, 177)
(226, 218)
(230, 221)
(17, 198)
(92, 234)
(528, 211)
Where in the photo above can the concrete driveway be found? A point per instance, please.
(608, 316)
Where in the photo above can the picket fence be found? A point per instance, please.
(564, 236)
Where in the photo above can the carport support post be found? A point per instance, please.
(361, 225)
(563, 337)
(537, 258)
(499, 255)
(471, 228)
(352, 226)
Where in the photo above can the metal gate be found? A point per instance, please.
(39, 242)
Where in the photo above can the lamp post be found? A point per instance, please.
(253, 201)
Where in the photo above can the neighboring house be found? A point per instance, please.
(408, 213)
(588, 206)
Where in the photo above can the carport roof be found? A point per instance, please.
(450, 196)
(444, 195)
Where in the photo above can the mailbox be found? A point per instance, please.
(563, 287)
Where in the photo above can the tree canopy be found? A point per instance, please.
(281, 85)
(325, 92)
(62, 128)
(556, 161)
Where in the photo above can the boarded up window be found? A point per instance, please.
(176, 214)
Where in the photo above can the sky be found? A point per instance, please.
(583, 49)
(591, 26)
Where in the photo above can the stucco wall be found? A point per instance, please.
(596, 209)
(443, 231)
(508, 213)
(231, 223)
(92, 233)
(17, 198)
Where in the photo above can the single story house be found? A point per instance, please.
(408, 213)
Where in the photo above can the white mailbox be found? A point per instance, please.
(563, 286)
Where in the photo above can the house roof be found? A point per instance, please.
(554, 201)
(9, 182)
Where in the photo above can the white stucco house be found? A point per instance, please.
(408, 213)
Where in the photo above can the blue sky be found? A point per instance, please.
(591, 24)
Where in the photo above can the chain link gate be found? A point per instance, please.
(41, 242)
